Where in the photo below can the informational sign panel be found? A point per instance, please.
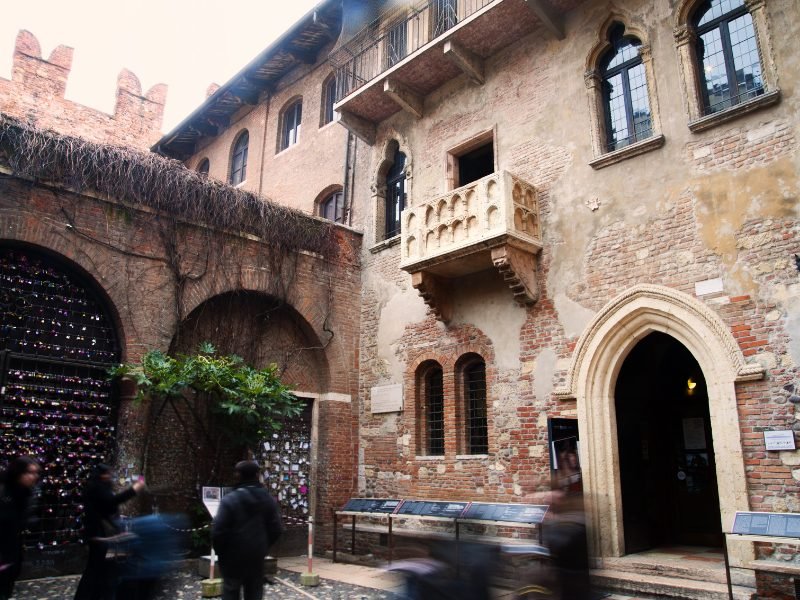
(212, 496)
(509, 513)
(371, 505)
(386, 398)
(422, 508)
(772, 524)
(779, 440)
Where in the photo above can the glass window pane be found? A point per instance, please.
(714, 75)
(745, 56)
(717, 8)
(640, 102)
(617, 129)
(434, 400)
(475, 386)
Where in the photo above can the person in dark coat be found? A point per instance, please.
(17, 487)
(248, 522)
(100, 526)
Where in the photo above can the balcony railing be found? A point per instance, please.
(384, 45)
(498, 206)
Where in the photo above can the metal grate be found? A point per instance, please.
(476, 425)
(56, 343)
(434, 401)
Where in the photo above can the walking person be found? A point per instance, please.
(248, 522)
(17, 485)
(100, 526)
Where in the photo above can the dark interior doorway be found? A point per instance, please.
(666, 454)
(476, 164)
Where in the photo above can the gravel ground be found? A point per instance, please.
(187, 585)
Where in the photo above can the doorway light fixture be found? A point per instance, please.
(690, 385)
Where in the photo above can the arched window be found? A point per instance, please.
(328, 100)
(332, 208)
(475, 416)
(626, 100)
(434, 411)
(239, 159)
(203, 167)
(395, 194)
(290, 128)
(728, 62)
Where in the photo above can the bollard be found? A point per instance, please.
(310, 579)
(211, 587)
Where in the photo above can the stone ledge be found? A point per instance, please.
(735, 112)
(651, 143)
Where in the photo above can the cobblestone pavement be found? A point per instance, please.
(186, 585)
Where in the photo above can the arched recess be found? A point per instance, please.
(394, 144)
(596, 362)
(59, 334)
(262, 330)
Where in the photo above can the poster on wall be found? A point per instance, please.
(563, 439)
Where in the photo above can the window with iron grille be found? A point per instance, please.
(434, 411)
(445, 15)
(328, 114)
(625, 97)
(727, 54)
(477, 439)
(395, 194)
(333, 208)
(292, 118)
(239, 160)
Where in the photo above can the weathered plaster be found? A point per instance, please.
(483, 300)
(543, 373)
(399, 308)
(572, 316)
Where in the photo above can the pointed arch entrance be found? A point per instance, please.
(595, 368)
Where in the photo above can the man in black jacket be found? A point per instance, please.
(248, 522)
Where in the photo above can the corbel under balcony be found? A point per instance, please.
(490, 223)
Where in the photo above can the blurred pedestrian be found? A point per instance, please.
(17, 485)
(101, 529)
(154, 545)
(248, 522)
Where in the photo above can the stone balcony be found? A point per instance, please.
(491, 222)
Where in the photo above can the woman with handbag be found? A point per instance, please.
(100, 523)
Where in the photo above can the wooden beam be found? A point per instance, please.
(358, 126)
(467, 61)
(204, 128)
(307, 57)
(407, 100)
(549, 18)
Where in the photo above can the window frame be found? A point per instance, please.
(339, 213)
(469, 399)
(396, 195)
(328, 100)
(240, 148)
(203, 167)
(291, 122)
(593, 80)
(685, 36)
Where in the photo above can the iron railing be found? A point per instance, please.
(382, 45)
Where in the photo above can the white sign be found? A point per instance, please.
(779, 440)
(387, 398)
(211, 498)
(708, 287)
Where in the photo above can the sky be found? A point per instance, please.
(186, 45)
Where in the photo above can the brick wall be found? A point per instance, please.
(35, 93)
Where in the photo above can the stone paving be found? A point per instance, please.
(186, 585)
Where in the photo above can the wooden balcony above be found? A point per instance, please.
(394, 67)
(491, 222)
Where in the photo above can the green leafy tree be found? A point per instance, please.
(247, 403)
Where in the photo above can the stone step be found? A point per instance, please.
(682, 569)
(660, 586)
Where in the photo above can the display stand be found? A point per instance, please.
(528, 516)
(774, 528)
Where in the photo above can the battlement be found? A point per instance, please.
(35, 93)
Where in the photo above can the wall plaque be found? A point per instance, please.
(387, 398)
(779, 440)
(422, 508)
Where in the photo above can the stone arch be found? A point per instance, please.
(602, 44)
(596, 362)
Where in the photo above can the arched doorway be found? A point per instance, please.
(591, 381)
(666, 453)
